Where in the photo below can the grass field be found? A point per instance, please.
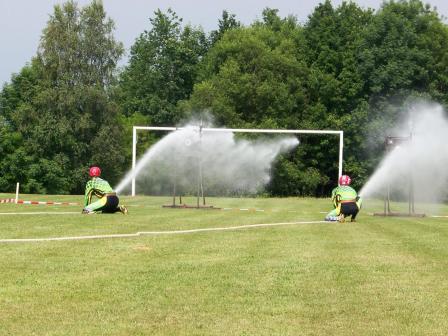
(378, 276)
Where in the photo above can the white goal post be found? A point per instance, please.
(233, 130)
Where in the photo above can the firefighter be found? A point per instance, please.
(346, 201)
(107, 199)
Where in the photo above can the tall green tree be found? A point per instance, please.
(255, 77)
(67, 122)
(334, 38)
(405, 50)
(228, 21)
(404, 56)
(16, 120)
(162, 69)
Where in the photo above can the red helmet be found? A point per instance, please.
(345, 180)
(94, 171)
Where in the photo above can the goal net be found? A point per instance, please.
(198, 160)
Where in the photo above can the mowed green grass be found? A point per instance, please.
(378, 276)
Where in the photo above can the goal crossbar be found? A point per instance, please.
(232, 130)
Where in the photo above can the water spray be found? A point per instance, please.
(414, 168)
(200, 179)
(207, 160)
(255, 154)
(400, 144)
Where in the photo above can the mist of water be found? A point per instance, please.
(223, 164)
(421, 162)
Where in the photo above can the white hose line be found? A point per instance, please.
(154, 233)
(40, 213)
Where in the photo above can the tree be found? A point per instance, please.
(255, 77)
(17, 117)
(403, 57)
(252, 76)
(162, 69)
(333, 37)
(228, 21)
(405, 50)
(66, 119)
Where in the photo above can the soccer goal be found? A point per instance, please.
(203, 130)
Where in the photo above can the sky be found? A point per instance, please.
(22, 21)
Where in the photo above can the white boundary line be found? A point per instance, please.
(154, 233)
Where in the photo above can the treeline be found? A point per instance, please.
(345, 68)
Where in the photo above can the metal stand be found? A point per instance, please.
(391, 143)
(200, 185)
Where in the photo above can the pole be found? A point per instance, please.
(388, 199)
(411, 178)
(17, 193)
(341, 151)
(242, 130)
(174, 192)
(200, 164)
(134, 157)
(174, 182)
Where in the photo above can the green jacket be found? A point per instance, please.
(343, 193)
(96, 187)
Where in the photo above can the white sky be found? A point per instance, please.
(22, 21)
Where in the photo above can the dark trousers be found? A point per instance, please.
(349, 209)
(111, 205)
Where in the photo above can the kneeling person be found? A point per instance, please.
(346, 201)
(108, 201)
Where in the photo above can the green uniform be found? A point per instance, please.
(107, 199)
(343, 193)
(340, 195)
(96, 187)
